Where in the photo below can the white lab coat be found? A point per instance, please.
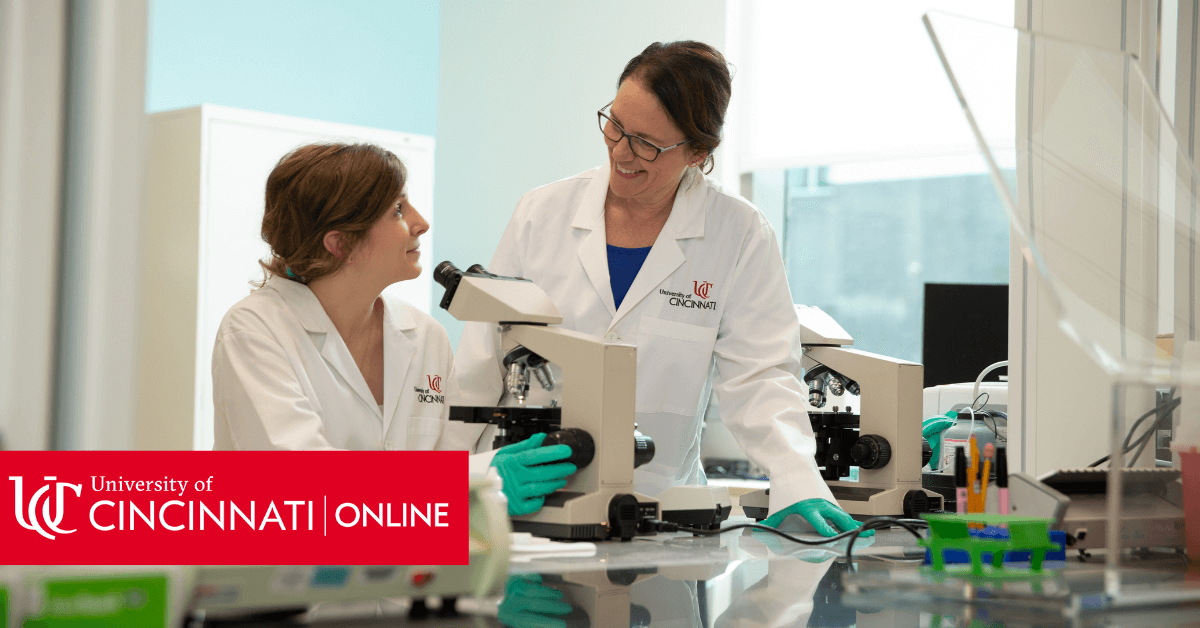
(709, 309)
(283, 378)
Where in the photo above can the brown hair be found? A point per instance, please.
(692, 82)
(320, 188)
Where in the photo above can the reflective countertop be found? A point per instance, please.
(755, 579)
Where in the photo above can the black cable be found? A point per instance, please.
(872, 523)
(986, 398)
(1163, 407)
(1166, 408)
(667, 526)
(881, 522)
(1153, 431)
(995, 428)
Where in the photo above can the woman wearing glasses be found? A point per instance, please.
(647, 250)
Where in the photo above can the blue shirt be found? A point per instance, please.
(623, 266)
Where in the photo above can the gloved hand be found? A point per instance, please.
(528, 603)
(931, 430)
(818, 512)
(526, 476)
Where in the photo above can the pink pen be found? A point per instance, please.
(960, 479)
(1002, 479)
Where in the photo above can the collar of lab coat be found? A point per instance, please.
(311, 313)
(685, 221)
(398, 349)
(687, 213)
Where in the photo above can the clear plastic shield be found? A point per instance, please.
(1103, 207)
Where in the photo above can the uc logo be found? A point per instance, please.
(51, 522)
(435, 382)
(700, 289)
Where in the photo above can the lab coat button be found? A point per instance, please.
(612, 337)
(389, 446)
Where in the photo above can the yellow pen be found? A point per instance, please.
(972, 475)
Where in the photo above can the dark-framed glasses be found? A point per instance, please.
(643, 148)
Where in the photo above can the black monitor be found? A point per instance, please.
(965, 331)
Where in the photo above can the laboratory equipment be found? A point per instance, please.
(1028, 496)
(246, 592)
(703, 507)
(986, 428)
(882, 439)
(1079, 232)
(1152, 517)
(596, 416)
(599, 380)
(94, 595)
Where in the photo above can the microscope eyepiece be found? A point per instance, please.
(447, 273)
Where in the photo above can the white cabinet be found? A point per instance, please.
(201, 243)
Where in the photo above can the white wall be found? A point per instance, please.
(520, 86)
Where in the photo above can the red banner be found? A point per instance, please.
(234, 508)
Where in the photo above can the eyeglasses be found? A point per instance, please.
(643, 148)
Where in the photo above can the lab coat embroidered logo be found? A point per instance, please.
(433, 394)
(698, 300)
(51, 522)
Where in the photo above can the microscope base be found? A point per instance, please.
(563, 531)
(702, 519)
(858, 501)
(907, 501)
(571, 516)
(696, 506)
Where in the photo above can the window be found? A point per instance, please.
(847, 131)
(861, 246)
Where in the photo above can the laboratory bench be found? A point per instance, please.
(757, 579)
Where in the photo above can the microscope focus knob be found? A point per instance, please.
(583, 448)
(643, 449)
(871, 452)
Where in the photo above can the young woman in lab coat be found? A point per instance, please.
(647, 250)
(320, 357)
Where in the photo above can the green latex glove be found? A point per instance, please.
(528, 603)
(526, 476)
(931, 430)
(820, 513)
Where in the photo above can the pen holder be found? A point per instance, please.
(997, 536)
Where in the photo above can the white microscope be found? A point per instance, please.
(882, 439)
(596, 417)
